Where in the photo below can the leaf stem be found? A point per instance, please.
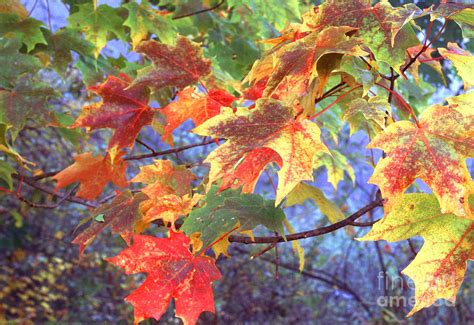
(221, 237)
(338, 99)
(404, 103)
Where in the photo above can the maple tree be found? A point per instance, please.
(342, 61)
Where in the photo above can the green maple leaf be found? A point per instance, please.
(367, 115)
(439, 267)
(144, 20)
(6, 139)
(13, 63)
(60, 45)
(97, 24)
(276, 12)
(231, 209)
(26, 30)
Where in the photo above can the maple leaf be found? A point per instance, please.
(368, 115)
(439, 267)
(270, 125)
(122, 108)
(27, 30)
(6, 172)
(167, 208)
(195, 106)
(303, 192)
(169, 192)
(93, 173)
(336, 165)
(383, 29)
(248, 171)
(179, 66)
(228, 210)
(426, 57)
(357, 69)
(97, 24)
(60, 45)
(15, 63)
(163, 179)
(172, 272)
(255, 91)
(143, 20)
(6, 139)
(435, 152)
(296, 64)
(461, 13)
(122, 215)
(27, 101)
(463, 62)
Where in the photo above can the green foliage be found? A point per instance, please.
(230, 210)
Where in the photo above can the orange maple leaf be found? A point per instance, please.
(93, 173)
(169, 192)
(162, 178)
(195, 106)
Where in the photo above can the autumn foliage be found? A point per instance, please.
(344, 56)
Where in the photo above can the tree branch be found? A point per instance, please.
(51, 191)
(308, 233)
(169, 151)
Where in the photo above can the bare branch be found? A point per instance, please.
(169, 151)
(199, 11)
(51, 191)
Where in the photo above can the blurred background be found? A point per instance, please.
(44, 280)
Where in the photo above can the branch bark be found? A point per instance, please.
(308, 233)
(169, 151)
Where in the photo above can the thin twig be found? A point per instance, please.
(145, 145)
(199, 11)
(49, 206)
(51, 191)
(169, 151)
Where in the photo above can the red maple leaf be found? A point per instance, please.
(179, 66)
(122, 108)
(173, 272)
